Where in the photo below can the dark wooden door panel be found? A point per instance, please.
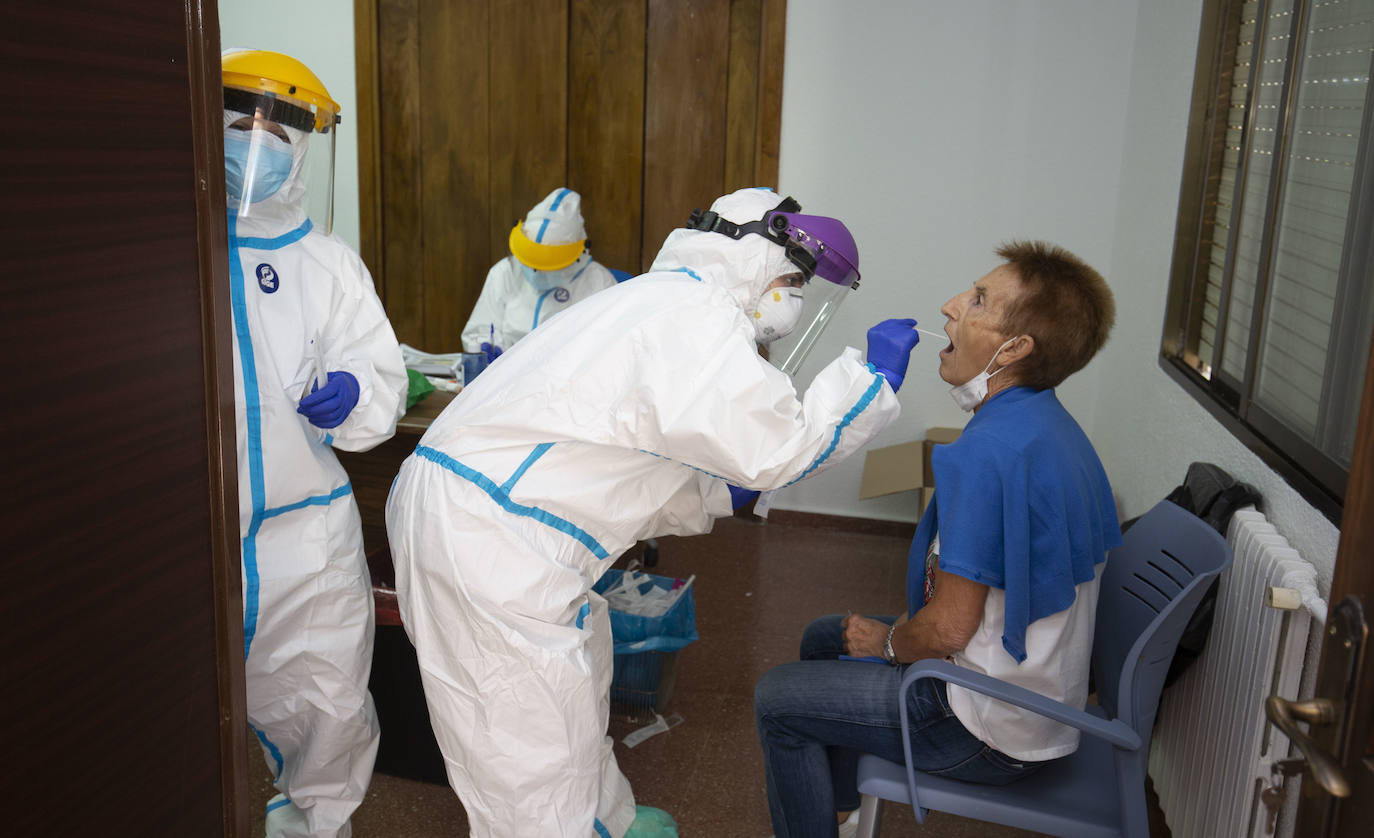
(684, 119)
(648, 108)
(606, 125)
(111, 675)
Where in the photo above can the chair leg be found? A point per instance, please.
(870, 816)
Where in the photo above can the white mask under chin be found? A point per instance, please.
(971, 393)
(776, 313)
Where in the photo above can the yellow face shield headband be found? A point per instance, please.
(543, 257)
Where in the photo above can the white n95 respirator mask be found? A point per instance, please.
(776, 313)
(971, 393)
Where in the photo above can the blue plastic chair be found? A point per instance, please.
(1150, 587)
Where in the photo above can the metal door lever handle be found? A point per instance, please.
(1285, 714)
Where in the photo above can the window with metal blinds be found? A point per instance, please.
(1281, 221)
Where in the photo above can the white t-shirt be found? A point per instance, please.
(1058, 654)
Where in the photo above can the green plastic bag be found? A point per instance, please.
(419, 388)
(652, 823)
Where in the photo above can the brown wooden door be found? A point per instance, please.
(122, 646)
(470, 111)
(1321, 814)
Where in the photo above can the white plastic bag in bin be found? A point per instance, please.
(648, 612)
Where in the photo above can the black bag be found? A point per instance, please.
(1214, 496)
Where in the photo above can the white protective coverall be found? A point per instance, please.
(509, 307)
(308, 618)
(620, 420)
(516, 298)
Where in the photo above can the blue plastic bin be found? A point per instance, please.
(646, 647)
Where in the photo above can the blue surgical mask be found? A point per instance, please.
(272, 169)
(541, 281)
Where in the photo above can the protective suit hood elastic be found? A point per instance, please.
(743, 267)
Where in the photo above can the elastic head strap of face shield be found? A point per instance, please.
(271, 109)
(773, 226)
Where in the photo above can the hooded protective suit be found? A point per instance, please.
(299, 298)
(620, 420)
(516, 297)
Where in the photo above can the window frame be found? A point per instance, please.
(1320, 479)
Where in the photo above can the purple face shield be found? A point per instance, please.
(818, 245)
(821, 246)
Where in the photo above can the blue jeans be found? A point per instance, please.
(817, 715)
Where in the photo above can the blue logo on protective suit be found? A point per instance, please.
(267, 278)
(561, 295)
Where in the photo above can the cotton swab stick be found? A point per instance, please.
(941, 335)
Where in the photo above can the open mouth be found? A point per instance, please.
(949, 348)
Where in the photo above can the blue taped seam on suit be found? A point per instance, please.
(539, 305)
(275, 243)
(688, 271)
(539, 239)
(864, 401)
(253, 420)
(601, 828)
(582, 614)
(316, 500)
(679, 462)
(534, 456)
(280, 803)
(272, 749)
(486, 484)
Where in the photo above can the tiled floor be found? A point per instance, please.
(757, 585)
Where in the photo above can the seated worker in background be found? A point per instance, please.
(549, 268)
(1002, 576)
(316, 368)
(639, 413)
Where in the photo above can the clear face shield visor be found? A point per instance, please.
(266, 138)
(825, 251)
(821, 248)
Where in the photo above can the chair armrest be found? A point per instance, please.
(1114, 731)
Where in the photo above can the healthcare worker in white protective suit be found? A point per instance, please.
(638, 413)
(316, 365)
(549, 268)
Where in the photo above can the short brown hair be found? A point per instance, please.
(1064, 305)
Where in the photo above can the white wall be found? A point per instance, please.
(318, 33)
(937, 130)
(1145, 427)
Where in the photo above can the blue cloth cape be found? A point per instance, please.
(1022, 504)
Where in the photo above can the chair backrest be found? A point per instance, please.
(1150, 587)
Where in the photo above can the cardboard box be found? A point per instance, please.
(903, 467)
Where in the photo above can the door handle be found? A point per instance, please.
(1285, 714)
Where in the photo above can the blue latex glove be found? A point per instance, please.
(889, 348)
(328, 406)
(740, 497)
(491, 350)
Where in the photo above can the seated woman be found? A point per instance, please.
(1003, 572)
(549, 268)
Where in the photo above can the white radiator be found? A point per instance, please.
(1212, 747)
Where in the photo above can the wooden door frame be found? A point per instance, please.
(1353, 575)
(207, 107)
(368, 82)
